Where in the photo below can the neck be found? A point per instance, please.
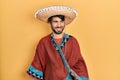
(56, 36)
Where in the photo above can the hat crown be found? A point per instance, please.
(44, 13)
(56, 8)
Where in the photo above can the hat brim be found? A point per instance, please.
(45, 13)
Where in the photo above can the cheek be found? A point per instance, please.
(53, 26)
(63, 25)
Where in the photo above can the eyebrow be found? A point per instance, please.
(54, 21)
(57, 21)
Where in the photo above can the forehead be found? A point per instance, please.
(56, 19)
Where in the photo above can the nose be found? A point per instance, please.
(59, 24)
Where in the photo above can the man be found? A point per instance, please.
(48, 64)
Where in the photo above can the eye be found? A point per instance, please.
(55, 21)
(62, 21)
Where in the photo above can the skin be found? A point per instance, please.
(57, 26)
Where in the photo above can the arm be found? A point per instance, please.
(78, 65)
(36, 68)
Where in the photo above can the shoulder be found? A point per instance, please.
(73, 38)
(44, 39)
(73, 41)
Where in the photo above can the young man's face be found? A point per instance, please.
(57, 25)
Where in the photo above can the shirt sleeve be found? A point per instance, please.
(79, 65)
(83, 78)
(36, 68)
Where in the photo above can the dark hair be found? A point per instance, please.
(62, 17)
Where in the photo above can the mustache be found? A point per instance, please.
(58, 27)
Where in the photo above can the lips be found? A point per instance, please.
(58, 29)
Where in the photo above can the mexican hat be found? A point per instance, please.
(44, 13)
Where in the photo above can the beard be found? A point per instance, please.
(58, 30)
